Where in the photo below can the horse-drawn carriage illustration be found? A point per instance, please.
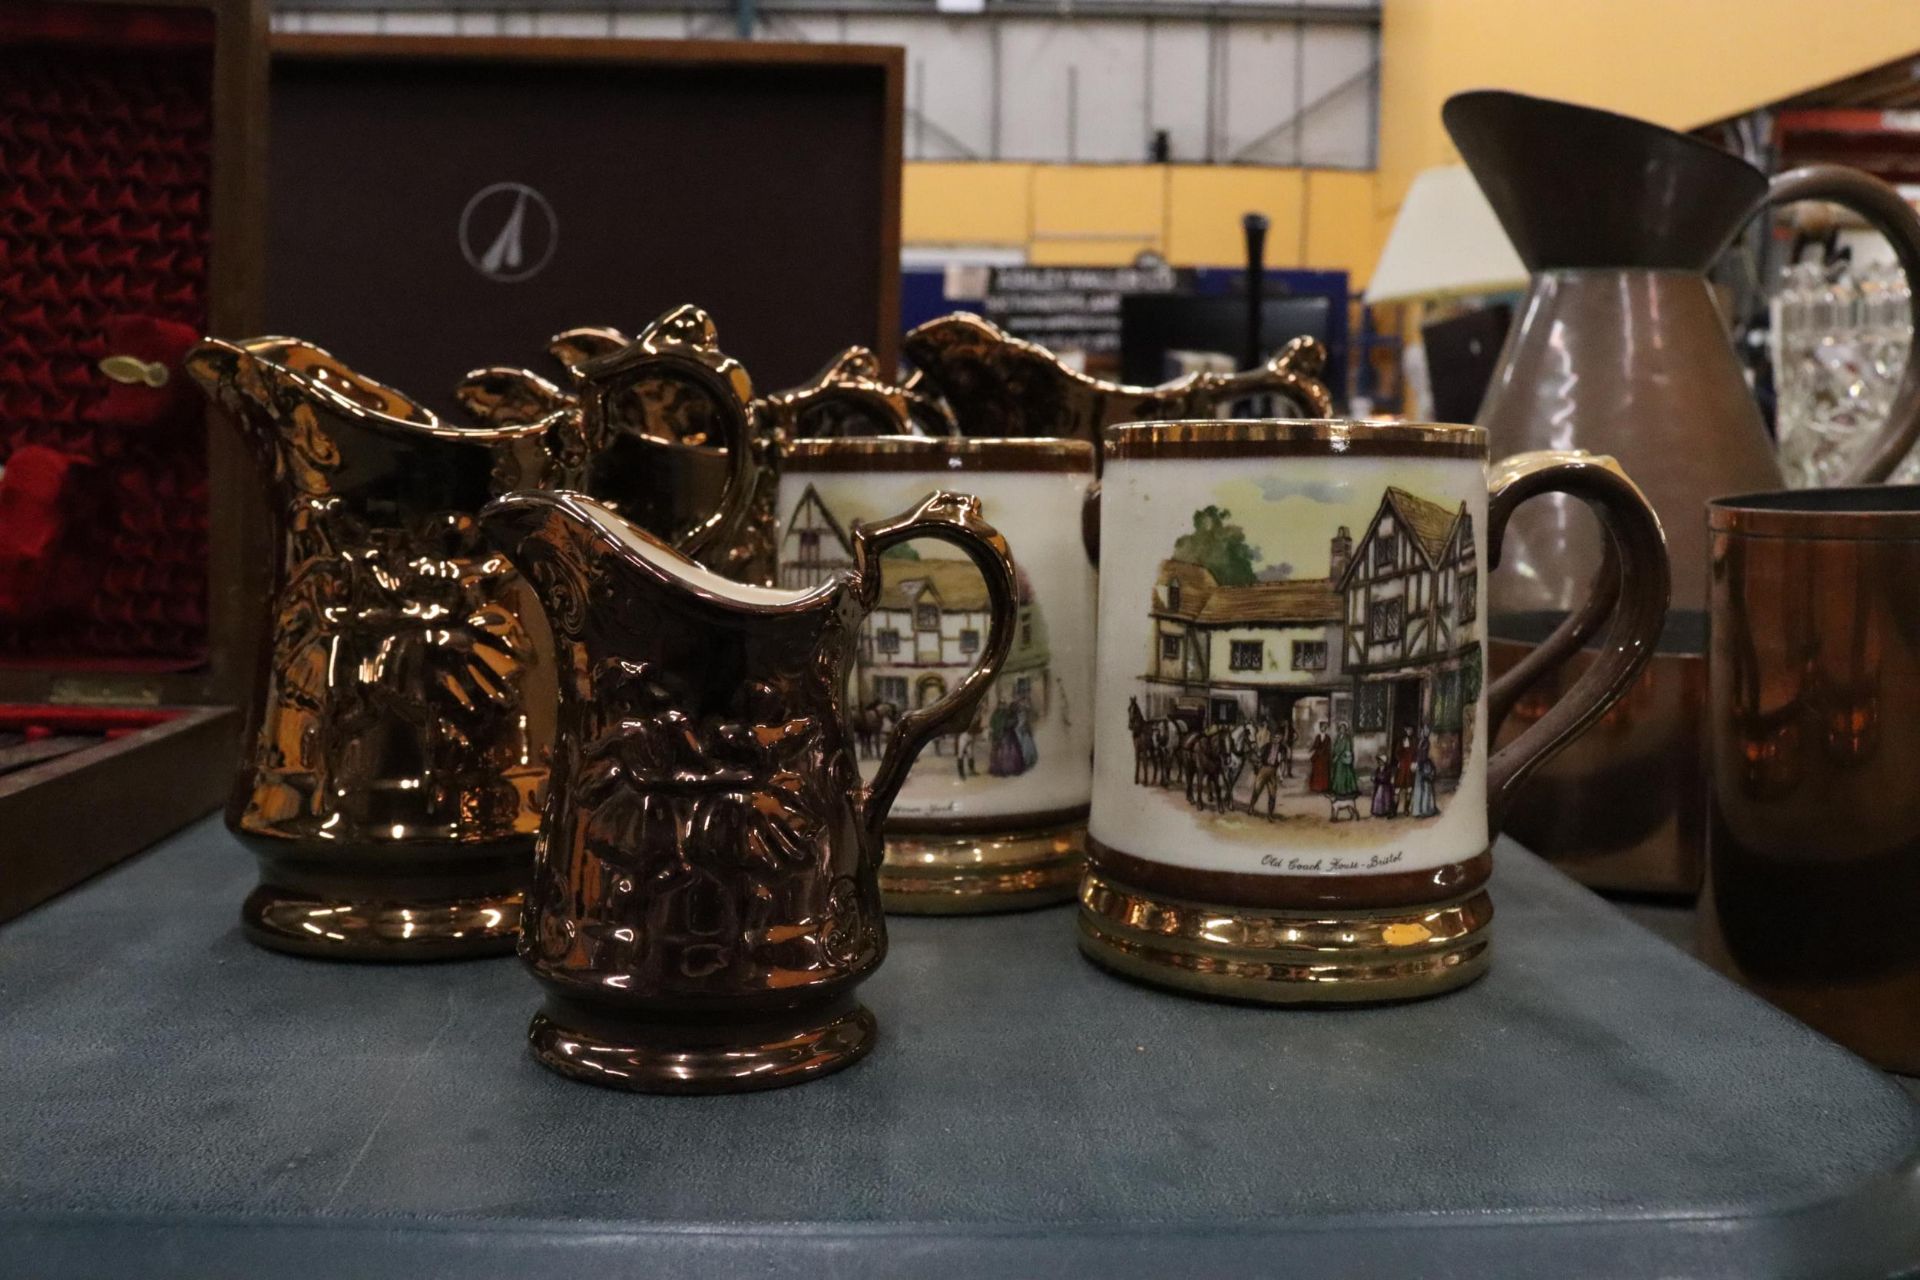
(1343, 697)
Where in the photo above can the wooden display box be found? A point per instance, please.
(132, 161)
(439, 204)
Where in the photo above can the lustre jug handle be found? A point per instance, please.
(683, 345)
(1638, 589)
(954, 518)
(1893, 217)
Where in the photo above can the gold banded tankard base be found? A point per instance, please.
(1319, 956)
(941, 875)
(729, 1054)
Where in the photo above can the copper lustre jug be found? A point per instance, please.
(1620, 348)
(395, 761)
(1001, 386)
(705, 895)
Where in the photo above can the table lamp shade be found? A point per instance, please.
(1445, 242)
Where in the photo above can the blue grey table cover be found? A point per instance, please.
(176, 1102)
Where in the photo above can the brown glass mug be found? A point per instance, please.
(705, 895)
(1813, 833)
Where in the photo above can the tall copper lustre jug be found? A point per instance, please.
(395, 762)
(1620, 348)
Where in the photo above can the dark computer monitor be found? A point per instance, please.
(1152, 324)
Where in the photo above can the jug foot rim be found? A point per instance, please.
(330, 928)
(760, 1056)
(1319, 956)
(929, 874)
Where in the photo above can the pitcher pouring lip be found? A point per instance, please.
(264, 382)
(1578, 187)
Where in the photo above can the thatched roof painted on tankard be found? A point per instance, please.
(1196, 585)
(1304, 600)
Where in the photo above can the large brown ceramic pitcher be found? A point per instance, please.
(1620, 348)
(706, 896)
(396, 758)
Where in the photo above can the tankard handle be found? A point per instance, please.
(1893, 217)
(1636, 590)
(954, 518)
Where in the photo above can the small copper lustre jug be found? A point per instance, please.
(705, 896)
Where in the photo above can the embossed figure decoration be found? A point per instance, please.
(396, 759)
(705, 897)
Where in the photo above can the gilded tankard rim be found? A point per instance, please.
(1292, 437)
(947, 453)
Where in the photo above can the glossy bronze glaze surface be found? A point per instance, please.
(1281, 939)
(396, 758)
(1813, 859)
(1009, 868)
(1344, 956)
(673, 437)
(704, 898)
(1621, 809)
(1000, 385)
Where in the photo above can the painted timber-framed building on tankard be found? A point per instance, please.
(1411, 635)
(1227, 655)
(1388, 643)
(814, 548)
(925, 633)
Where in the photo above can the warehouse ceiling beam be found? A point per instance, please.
(1094, 10)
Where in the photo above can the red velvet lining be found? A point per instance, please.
(105, 139)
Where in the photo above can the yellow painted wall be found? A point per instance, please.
(1682, 63)
(1103, 215)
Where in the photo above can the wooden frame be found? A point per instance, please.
(74, 815)
(889, 60)
(236, 516)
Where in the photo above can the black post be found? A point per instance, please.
(1255, 226)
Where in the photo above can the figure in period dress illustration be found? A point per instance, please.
(1339, 696)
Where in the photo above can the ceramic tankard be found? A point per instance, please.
(704, 898)
(1294, 795)
(993, 815)
(395, 761)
